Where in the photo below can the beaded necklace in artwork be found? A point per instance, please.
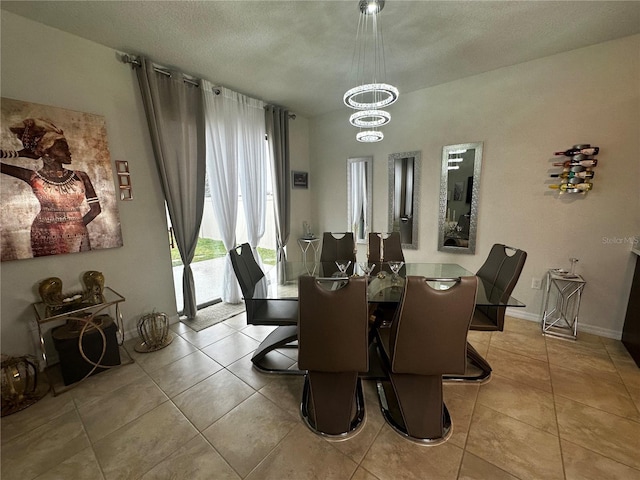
(64, 185)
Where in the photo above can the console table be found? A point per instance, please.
(562, 304)
(85, 320)
(305, 244)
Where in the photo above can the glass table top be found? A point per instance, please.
(383, 287)
(45, 313)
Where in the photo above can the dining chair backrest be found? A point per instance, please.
(247, 270)
(333, 324)
(391, 249)
(337, 246)
(248, 273)
(429, 332)
(499, 275)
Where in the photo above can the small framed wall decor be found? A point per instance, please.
(124, 180)
(300, 179)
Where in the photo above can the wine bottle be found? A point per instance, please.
(572, 163)
(573, 180)
(575, 151)
(585, 174)
(585, 187)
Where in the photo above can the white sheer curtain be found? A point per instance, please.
(252, 161)
(222, 119)
(359, 196)
(235, 137)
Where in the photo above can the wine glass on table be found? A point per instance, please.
(367, 268)
(343, 265)
(395, 267)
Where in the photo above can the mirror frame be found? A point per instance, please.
(475, 191)
(417, 156)
(369, 166)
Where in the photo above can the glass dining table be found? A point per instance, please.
(385, 288)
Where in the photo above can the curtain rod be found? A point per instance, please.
(126, 58)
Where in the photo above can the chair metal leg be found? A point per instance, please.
(281, 337)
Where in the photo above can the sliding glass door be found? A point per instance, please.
(207, 265)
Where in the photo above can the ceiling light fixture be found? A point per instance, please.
(368, 136)
(371, 93)
(370, 118)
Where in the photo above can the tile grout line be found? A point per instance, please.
(555, 410)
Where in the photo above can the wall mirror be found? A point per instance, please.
(359, 197)
(459, 188)
(404, 191)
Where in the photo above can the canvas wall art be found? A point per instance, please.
(57, 187)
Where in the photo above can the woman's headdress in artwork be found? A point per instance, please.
(37, 134)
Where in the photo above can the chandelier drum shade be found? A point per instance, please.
(371, 93)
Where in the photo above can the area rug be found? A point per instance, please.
(214, 314)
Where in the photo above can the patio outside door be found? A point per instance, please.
(207, 265)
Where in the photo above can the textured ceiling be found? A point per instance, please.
(298, 53)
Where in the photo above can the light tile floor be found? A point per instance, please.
(197, 410)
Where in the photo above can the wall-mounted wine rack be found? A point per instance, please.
(577, 170)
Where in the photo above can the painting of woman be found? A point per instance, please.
(64, 200)
(60, 226)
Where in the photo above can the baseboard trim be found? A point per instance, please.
(593, 329)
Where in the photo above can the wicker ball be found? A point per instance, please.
(153, 329)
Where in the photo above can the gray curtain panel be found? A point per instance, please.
(176, 124)
(277, 123)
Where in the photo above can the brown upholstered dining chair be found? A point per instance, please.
(391, 250)
(282, 313)
(333, 348)
(427, 338)
(498, 276)
(337, 246)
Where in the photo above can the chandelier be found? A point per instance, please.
(371, 93)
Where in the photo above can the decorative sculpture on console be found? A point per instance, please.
(57, 302)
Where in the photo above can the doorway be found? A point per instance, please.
(209, 258)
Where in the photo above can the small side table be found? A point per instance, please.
(88, 315)
(305, 244)
(562, 304)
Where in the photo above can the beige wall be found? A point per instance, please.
(522, 114)
(300, 198)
